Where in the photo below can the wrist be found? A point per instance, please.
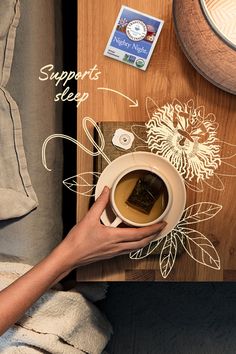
(62, 258)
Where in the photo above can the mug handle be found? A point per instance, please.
(116, 222)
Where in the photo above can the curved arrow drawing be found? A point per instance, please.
(134, 102)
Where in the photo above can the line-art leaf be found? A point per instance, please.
(228, 150)
(151, 106)
(80, 185)
(215, 182)
(137, 130)
(195, 187)
(145, 251)
(199, 247)
(199, 212)
(227, 169)
(142, 148)
(168, 254)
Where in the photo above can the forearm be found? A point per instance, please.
(88, 241)
(20, 295)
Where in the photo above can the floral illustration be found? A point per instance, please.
(194, 242)
(122, 23)
(187, 137)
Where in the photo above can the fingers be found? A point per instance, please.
(136, 234)
(98, 207)
(127, 247)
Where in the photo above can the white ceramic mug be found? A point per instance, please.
(119, 217)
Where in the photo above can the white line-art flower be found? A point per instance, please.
(197, 245)
(186, 137)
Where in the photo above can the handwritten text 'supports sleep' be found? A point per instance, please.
(63, 78)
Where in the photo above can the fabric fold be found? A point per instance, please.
(59, 322)
(14, 177)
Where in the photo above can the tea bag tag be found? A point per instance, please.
(123, 139)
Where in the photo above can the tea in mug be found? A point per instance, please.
(141, 196)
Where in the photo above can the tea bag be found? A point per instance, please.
(145, 193)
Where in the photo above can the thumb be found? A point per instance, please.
(98, 207)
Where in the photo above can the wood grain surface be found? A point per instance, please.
(169, 76)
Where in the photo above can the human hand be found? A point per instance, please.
(90, 241)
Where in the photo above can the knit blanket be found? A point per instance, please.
(59, 322)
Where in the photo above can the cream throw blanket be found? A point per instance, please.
(59, 322)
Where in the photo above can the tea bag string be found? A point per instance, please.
(100, 149)
(89, 136)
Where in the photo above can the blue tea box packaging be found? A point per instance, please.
(133, 38)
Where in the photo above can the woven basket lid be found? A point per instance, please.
(210, 53)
